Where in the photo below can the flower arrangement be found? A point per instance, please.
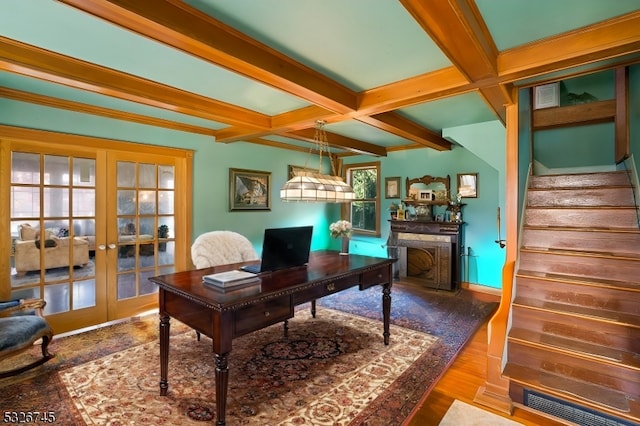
(341, 228)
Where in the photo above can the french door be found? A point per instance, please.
(90, 225)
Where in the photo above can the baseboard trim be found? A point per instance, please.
(482, 289)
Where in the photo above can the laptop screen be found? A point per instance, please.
(286, 247)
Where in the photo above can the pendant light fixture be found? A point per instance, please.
(311, 186)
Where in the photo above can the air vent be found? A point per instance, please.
(571, 412)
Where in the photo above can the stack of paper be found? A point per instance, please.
(230, 279)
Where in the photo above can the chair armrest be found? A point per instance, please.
(22, 307)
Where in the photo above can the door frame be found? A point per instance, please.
(13, 138)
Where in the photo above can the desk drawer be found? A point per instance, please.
(261, 315)
(325, 289)
(375, 277)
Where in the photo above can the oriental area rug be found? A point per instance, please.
(333, 369)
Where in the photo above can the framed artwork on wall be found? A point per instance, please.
(295, 169)
(468, 185)
(249, 190)
(392, 187)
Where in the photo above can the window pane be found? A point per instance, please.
(25, 168)
(84, 172)
(363, 215)
(56, 202)
(165, 202)
(57, 297)
(147, 202)
(364, 183)
(126, 202)
(25, 201)
(126, 174)
(56, 170)
(165, 177)
(84, 294)
(84, 202)
(147, 176)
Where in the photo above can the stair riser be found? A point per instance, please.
(579, 180)
(578, 328)
(598, 298)
(581, 197)
(553, 362)
(604, 218)
(603, 268)
(599, 242)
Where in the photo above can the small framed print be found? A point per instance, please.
(468, 185)
(392, 187)
(249, 190)
(425, 195)
(546, 96)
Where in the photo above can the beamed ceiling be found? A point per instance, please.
(384, 74)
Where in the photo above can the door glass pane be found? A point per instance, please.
(165, 177)
(147, 176)
(147, 202)
(84, 172)
(126, 202)
(25, 201)
(50, 241)
(56, 202)
(25, 168)
(84, 294)
(126, 174)
(165, 202)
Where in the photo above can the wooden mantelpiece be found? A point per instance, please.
(428, 252)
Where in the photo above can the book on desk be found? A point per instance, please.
(230, 279)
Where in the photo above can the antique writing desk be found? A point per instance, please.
(225, 315)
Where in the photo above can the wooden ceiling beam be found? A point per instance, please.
(183, 27)
(457, 27)
(394, 123)
(24, 59)
(338, 141)
(84, 108)
(605, 40)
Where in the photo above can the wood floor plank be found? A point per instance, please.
(461, 381)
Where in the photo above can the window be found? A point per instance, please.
(364, 212)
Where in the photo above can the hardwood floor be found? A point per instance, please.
(462, 380)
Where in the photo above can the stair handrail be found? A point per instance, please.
(629, 167)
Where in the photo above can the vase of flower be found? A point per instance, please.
(345, 245)
(342, 229)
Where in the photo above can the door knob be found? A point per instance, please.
(102, 247)
(112, 246)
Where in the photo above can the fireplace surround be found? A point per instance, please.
(428, 253)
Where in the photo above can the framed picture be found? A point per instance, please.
(294, 169)
(392, 187)
(425, 195)
(546, 96)
(249, 190)
(468, 185)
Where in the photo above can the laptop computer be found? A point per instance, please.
(283, 248)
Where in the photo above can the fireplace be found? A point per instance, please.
(428, 253)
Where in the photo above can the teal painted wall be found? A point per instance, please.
(211, 170)
(479, 149)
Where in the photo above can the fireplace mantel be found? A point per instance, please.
(428, 252)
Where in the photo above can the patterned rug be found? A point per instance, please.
(325, 373)
(449, 317)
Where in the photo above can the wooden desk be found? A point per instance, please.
(226, 315)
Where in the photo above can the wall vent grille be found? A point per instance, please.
(574, 413)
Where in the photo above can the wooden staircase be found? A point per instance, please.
(575, 327)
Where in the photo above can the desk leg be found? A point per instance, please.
(222, 383)
(164, 353)
(386, 311)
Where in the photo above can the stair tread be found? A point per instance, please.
(595, 313)
(599, 282)
(589, 349)
(611, 399)
(571, 229)
(576, 252)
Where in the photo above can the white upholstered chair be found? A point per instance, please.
(220, 248)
